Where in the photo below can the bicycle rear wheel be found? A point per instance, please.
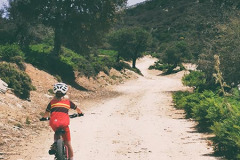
(61, 152)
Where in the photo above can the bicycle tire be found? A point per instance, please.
(60, 150)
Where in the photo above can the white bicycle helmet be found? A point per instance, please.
(62, 87)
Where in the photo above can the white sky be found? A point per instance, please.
(130, 2)
(2, 2)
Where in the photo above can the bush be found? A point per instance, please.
(195, 79)
(42, 48)
(206, 107)
(227, 137)
(16, 79)
(220, 114)
(210, 109)
(13, 53)
(178, 98)
(159, 66)
(7, 52)
(122, 65)
(19, 62)
(186, 101)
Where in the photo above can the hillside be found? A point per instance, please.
(20, 118)
(195, 22)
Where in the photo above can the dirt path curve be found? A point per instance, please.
(140, 124)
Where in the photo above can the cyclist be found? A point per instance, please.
(58, 109)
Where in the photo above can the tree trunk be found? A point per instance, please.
(118, 58)
(57, 41)
(134, 61)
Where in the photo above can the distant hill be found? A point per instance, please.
(194, 21)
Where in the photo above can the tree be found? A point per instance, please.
(130, 43)
(175, 55)
(77, 23)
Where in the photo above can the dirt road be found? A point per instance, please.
(140, 124)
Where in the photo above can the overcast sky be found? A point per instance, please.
(130, 2)
(2, 2)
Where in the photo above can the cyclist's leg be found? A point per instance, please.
(70, 149)
(67, 141)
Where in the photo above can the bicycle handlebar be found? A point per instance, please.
(70, 116)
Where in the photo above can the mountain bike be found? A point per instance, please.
(60, 149)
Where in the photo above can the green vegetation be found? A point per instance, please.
(130, 43)
(215, 111)
(18, 80)
(64, 68)
(75, 24)
(12, 53)
(195, 79)
(62, 38)
(214, 114)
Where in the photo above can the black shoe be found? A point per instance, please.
(52, 149)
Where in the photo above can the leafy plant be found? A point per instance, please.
(8, 52)
(130, 43)
(16, 79)
(227, 137)
(195, 79)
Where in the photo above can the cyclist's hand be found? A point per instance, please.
(44, 119)
(80, 114)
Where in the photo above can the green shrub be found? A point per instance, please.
(220, 114)
(42, 48)
(179, 99)
(227, 137)
(102, 63)
(109, 53)
(28, 121)
(58, 78)
(235, 93)
(186, 101)
(16, 79)
(204, 112)
(19, 62)
(13, 53)
(159, 66)
(7, 52)
(206, 107)
(217, 111)
(122, 65)
(167, 68)
(51, 91)
(194, 79)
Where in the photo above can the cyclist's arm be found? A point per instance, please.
(73, 106)
(46, 114)
(79, 110)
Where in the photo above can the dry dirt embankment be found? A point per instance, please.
(138, 123)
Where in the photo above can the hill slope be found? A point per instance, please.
(193, 21)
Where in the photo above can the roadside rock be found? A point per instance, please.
(3, 86)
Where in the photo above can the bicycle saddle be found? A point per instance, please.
(60, 131)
